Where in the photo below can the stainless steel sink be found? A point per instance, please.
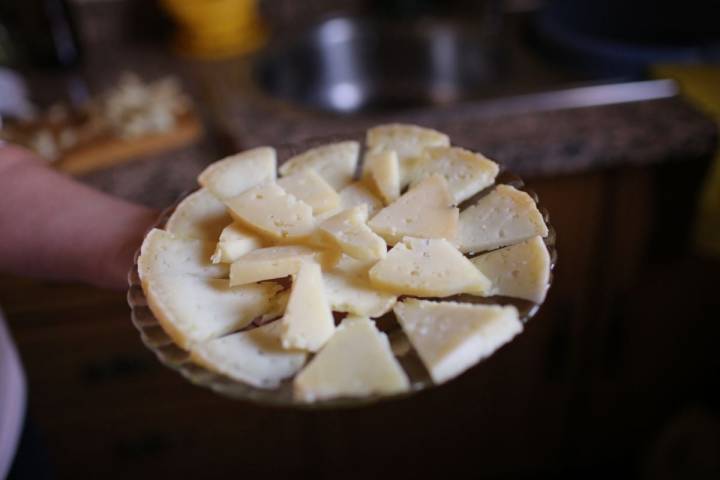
(351, 64)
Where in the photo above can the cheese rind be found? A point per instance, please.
(451, 337)
(408, 141)
(466, 172)
(521, 270)
(163, 253)
(503, 217)
(194, 309)
(351, 234)
(383, 170)
(271, 263)
(255, 356)
(427, 268)
(308, 186)
(424, 211)
(308, 321)
(200, 215)
(234, 242)
(356, 362)
(348, 289)
(335, 162)
(235, 174)
(271, 211)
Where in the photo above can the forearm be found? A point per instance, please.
(54, 227)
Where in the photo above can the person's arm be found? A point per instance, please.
(54, 227)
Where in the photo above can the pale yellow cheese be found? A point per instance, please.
(503, 217)
(255, 356)
(451, 337)
(194, 309)
(308, 321)
(351, 234)
(308, 186)
(163, 253)
(382, 169)
(427, 268)
(335, 162)
(348, 289)
(200, 215)
(521, 270)
(356, 362)
(233, 175)
(234, 242)
(271, 211)
(358, 194)
(424, 211)
(466, 172)
(408, 141)
(270, 263)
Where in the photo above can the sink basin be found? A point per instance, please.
(353, 64)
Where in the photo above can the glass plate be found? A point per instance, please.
(155, 338)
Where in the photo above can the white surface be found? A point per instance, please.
(12, 399)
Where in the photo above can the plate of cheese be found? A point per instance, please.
(342, 273)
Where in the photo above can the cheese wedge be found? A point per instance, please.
(255, 356)
(520, 271)
(308, 321)
(424, 211)
(348, 289)
(309, 186)
(335, 162)
(272, 262)
(382, 169)
(408, 141)
(351, 234)
(163, 253)
(271, 211)
(200, 215)
(194, 309)
(503, 217)
(234, 242)
(466, 172)
(427, 268)
(233, 175)
(451, 337)
(356, 362)
(358, 194)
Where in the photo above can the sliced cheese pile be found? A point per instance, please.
(296, 253)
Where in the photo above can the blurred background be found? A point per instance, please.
(608, 109)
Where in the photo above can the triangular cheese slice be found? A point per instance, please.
(382, 169)
(502, 217)
(427, 268)
(163, 253)
(408, 141)
(308, 321)
(271, 211)
(234, 242)
(233, 175)
(255, 356)
(358, 194)
(273, 262)
(424, 211)
(348, 289)
(520, 271)
(335, 162)
(311, 188)
(451, 337)
(200, 215)
(356, 362)
(351, 234)
(194, 309)
(466, 172)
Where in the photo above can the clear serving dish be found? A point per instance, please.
(170, 354)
